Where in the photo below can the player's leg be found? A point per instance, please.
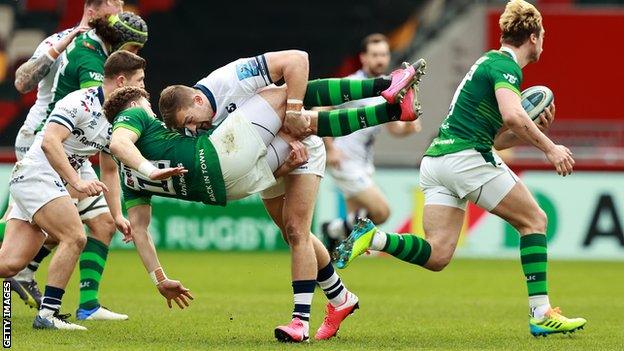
(332, 91)
(519, 208)
(368, 202)
(95, 214)
(21, 242)
(341, 301)
(59, 218)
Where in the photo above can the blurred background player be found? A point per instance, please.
(460, 166)
(350, 158)
(39, 72)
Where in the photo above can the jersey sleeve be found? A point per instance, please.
(505, 74)
(66, 112)
(245, 76)
(132, 119)
(90, 71)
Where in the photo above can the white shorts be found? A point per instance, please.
(92, 206)
(32, 186)
(242, 156)
(315, 165)
(353, 177)
(24, 139)
(453, 179)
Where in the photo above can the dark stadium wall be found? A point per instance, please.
(581, 61)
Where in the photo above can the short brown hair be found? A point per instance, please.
(122, 62)
(173, 99)
(518, 22)
(120, 99)
(372, 39)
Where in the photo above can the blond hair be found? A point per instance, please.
(518, 22)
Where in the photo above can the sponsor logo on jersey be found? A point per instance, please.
(78, 132)
(207, 182)
(182, 181)
(231, 107)
(88, 45)
(247, 69)
(510, 78)
(443, 142)
(16, 180)
(96, 76)
(122, 119)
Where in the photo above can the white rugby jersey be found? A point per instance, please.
(230, 86)
(81, 113)
(37, 112)
(358, 146)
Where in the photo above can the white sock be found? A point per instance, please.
(46, 312)
(336, 229)
(335, 291)
(539, 305)
(26, 274)
(379, 240)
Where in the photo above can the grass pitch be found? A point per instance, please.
(240, 298)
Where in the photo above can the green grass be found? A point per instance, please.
(240, 298)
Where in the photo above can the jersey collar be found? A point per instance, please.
(91, 34)
(509, 52)
(209, 95)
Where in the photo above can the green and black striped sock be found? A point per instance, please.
(533, 255)
(92, 262)
(334, 91)
(408, 247)
(346, 121)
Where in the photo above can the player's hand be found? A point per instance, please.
(166, 173)
(298, 155)
(123, 225)
(334, 158)
(90, 187)
(561, 157)
(62, 44)
(297, 124)
(546, 118)
(174, 290)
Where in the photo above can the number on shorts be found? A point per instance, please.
(133, 180)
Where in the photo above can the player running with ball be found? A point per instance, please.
(460, 166)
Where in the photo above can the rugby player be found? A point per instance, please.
(39, 72)
(350, 158)
(460, 166)
(75, 130)
(262, 109)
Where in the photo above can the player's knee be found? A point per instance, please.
(75, 241)
(379, 215)
(300, 56)
(105, 229)
(535, 221)
(541, 221)
(295, 236)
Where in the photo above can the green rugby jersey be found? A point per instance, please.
(474, 119)
(165, 148)
(82, 66)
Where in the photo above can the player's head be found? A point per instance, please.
(521, 25)
(124, 98)
(125, 31)
(184, 107)
(125, 69)
(375, 54)
(102, 8)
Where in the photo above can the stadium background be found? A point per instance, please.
(581, 64)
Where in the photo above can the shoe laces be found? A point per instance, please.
(62, 317)
(554, 313)
(329, 316)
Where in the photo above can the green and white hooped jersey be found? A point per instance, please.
(228, 87)
(82, 66)
(474, 118)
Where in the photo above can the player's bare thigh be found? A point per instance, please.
(22, 241)
(520, 209)
(442, 226)
(373, 200)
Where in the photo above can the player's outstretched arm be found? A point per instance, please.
(172, 290)
(52, 147)
(293, 67)
(122, 146)
(110, 177)
(518, 121)
(32, 71)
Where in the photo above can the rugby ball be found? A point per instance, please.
(536, 99)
